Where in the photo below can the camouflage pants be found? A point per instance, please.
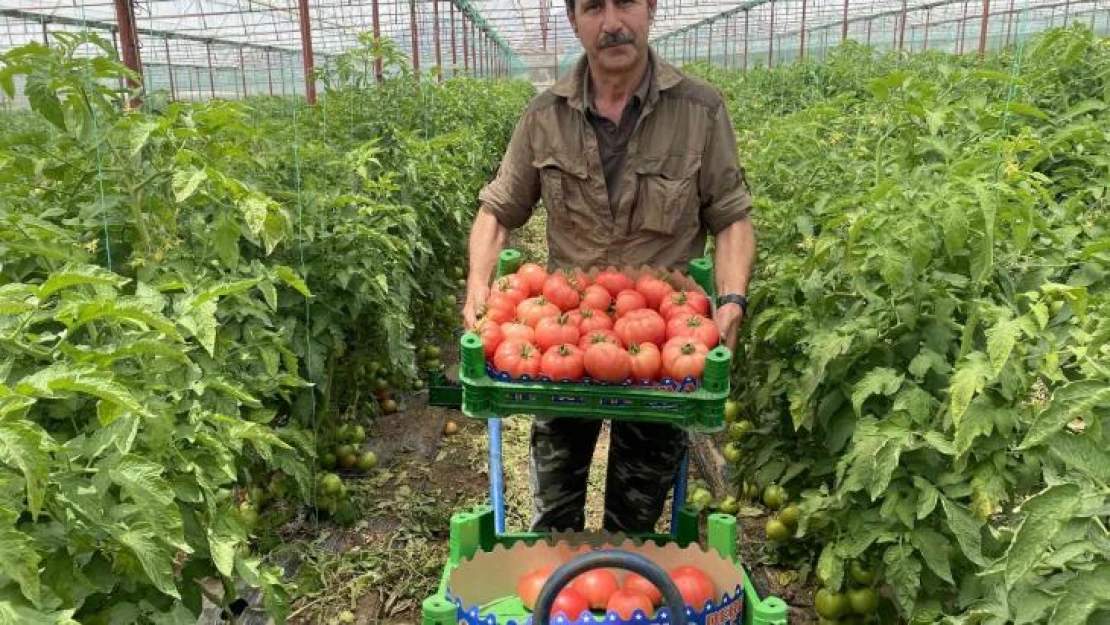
(643, 460)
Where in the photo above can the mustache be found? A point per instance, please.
(610, 40)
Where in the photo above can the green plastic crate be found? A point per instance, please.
(443, 392)
(701, 410)
(473, 531)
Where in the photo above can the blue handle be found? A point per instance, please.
(496, 478)
(679, 492)
(608, 559)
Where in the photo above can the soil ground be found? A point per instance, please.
(383, 565)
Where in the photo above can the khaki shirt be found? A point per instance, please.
(681, 177)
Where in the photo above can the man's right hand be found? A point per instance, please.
(476, 296)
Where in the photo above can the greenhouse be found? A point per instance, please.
(838, 351)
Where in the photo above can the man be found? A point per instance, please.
(635, 162)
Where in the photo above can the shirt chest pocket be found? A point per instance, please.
(666, 193)
(564, 184)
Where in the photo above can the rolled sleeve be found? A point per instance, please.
(722, 184)
(515, 189)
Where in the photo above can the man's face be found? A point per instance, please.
(613, 32)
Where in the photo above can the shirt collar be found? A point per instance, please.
(639, 96)
(664, 76)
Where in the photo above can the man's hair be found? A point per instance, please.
(570, 6)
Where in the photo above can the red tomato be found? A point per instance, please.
(646, 361)
(596, 586)
(653, 289)
(517, 358)
(552, 331)
(641, 326)
(627, 301)
(607, 362)
(613, 281)
(562, 362)
(533, 309)
(599, 336)
(529, 586)
(592, 319)
(695, 327)
(679, 302)
(640, 584)
(684, 357)
(695, 586)
(491, 336)
(517, 330)
(570, 604)
(558, 290)
(595, 296)
(499, 307)
(533, 276)
(625, 603)
(511, 285)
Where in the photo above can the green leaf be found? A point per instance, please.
(978, 421)
(933, 547)
(155, 557)
(886, 462)
(903, 572)
(20, 562)
(229, 388)
(82, 313)
(214, 293)
(830, 566)
(254, 207)
(142, 481)
(226, 239)
(140, 134)
(966, 529)
(43, 98)
(954, 224)
(290, 277)
(224, 536)
(201, 321)
(971, 375)
(26, 446)
(1085, 593)
(1082, 453)
(74, 275)
(1042, 517)
(1001, 338)
(878, 381)
(927, 360)
(60, 378)
(927, 495)
(1076, 399)
(186, 182)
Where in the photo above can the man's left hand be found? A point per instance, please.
(728, 318)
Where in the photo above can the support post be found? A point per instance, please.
(169, 69)
(45, 34)
(243, 72)
(844, 24)
(306, 44)
(746, 39)
(415, 36)
(963, 30)
(869, 24)
(211, 78)
(270, 73)
(1067, 12)
(128, 44)
(439, 51)
(928, 22)
(466, 45)
(902, 27)
(802, 34)
(983, 28)
(1009, 23)
(454, 48)
(771, 39)
(709, 48)
(375, 16)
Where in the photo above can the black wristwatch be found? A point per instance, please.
(734, 298)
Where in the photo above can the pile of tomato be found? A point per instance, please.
(610, 327)
(602, 590)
